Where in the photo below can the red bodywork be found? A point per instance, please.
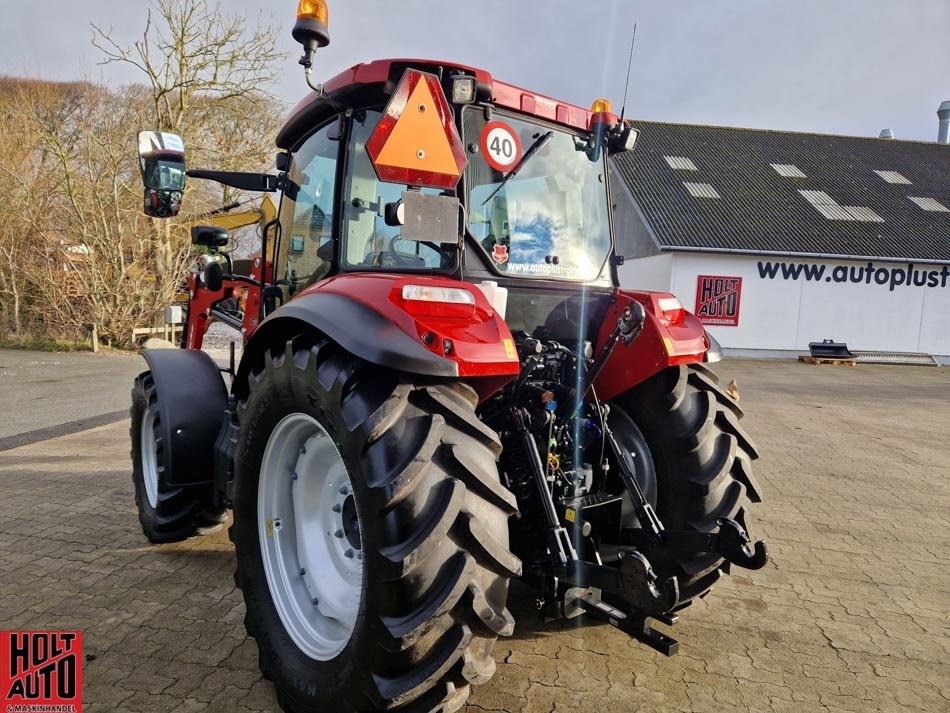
(661, 344)
(503, 94)
(473, 336)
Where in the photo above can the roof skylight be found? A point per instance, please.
(701, 190)
(930, 204)
(787, 170)
(829, 208)
(893, 177)
(681, 163)
(818, 198)
(865, 215)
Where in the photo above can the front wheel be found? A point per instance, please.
(694, 462)
(371, 533)
(167, 513)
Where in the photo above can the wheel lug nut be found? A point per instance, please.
(302, 571)
(344, 490)
(339, 534)
(348, 554)
(315, 601)
(338, 508)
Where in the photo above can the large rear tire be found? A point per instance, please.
(687, 436)
(423, 486)
(167, 513)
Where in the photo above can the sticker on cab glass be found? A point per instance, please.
(499, 253)
(500, 146)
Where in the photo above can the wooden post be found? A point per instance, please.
(94, 337)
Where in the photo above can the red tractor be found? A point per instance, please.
(442, 387)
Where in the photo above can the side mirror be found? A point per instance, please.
(162, 162)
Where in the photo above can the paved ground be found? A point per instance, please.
(851, 614)
(41, 390)
(45, 395)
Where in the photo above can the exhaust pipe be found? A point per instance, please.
(943, 132)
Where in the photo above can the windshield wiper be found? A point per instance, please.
(539, 144)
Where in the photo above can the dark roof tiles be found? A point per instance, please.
(761, 211)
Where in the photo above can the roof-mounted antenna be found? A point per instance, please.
(626, 89)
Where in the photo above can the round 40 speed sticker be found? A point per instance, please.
(501, 146)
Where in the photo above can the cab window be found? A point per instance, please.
(305, 253)
(368, 243)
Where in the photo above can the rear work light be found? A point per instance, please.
(671, 309)
(438, 301)
(463, 90)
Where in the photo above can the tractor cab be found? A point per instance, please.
(422, 167)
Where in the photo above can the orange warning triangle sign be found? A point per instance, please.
(418, 141)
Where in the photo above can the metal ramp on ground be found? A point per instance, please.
(908, 358)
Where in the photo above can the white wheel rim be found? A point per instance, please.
(149, 458)
(310, 537)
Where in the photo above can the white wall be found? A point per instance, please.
(654, 273)
(787, 314)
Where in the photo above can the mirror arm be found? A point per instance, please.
(262, 182)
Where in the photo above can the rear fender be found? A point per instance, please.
(661, 344)
(192, 399)
(367, 316)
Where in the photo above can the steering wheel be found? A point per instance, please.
(398, 257)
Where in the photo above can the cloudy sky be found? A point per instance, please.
(831, 66)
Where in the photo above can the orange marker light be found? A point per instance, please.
(313, 10)
(312, 28)
(602, 106)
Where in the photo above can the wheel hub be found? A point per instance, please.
(310, 536)
(351, 523)
(148, 448)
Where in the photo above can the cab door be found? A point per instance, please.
(309, 213)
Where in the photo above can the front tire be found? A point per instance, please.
(422, 483)
(688, 438)
(167, 513)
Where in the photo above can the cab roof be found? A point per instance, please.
(383, 71)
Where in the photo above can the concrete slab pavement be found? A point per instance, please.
(851, 614)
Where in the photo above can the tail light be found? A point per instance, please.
(671, 309)
(438, 301)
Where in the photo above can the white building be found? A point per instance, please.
(777, 239)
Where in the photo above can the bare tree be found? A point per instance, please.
(196, 52)
(209, 75)
(75, 247)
